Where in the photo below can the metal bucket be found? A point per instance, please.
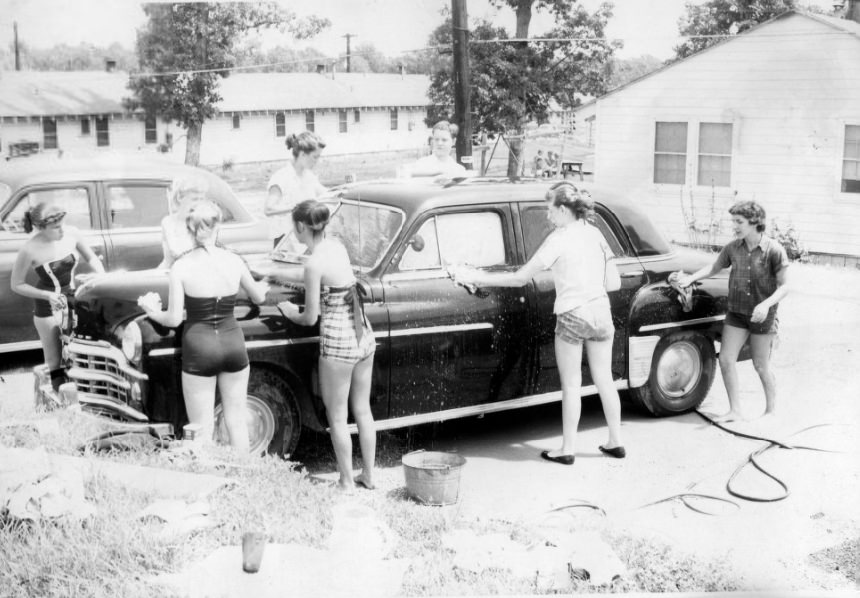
(433, 478)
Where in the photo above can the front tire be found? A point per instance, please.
(274, 421)
(682, 372)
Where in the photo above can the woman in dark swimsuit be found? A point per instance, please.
(52, 252)
(204, 282)
(347, 343)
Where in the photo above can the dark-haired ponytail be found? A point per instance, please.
(28, 221)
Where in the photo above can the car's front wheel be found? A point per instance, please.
(274, 424)
(682, 371)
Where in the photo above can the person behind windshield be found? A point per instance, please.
(440, 162)
(52, 252)
(757, 283)
(204, 282)
(175, 240)
(578, 256)
(347, 343)
(294, 182)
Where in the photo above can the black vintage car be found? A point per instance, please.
(443, 351)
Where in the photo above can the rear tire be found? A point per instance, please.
(274, 419)
(682, 372)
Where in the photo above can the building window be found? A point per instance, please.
(356, 116)
(85, 127)
(237, 121)
(393, 116)
(280, 125)
(49, 133)
(309, 120)
(341, 121)
(102, 131)
(715, 154)
(670, 153)
(851, 160)
(150, 131)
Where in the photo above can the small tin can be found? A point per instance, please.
(191, 431)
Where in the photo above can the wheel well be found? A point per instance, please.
(307, 411)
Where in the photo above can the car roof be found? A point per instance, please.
(419, 196)
(48, 169)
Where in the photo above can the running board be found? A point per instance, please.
(474, 410)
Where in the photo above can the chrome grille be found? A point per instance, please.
(96, 362)
(103, 388)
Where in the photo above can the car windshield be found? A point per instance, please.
(366, 230)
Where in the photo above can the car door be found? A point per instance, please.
(132, 213)
(451, 348)
(78, 200)
(535, 228)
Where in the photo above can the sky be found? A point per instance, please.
(393, 26)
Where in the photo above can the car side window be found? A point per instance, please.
(474, 238)
(75, 201)
(133, 206)
(536, 228)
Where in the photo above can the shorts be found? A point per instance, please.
(738, 320)
(589, 322)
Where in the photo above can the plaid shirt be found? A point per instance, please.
(753, 275)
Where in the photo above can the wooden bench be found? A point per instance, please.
(571, 167)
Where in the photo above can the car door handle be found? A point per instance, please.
(631, 274)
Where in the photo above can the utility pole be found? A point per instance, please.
(348, 37)
(17, 52)
(462, 104)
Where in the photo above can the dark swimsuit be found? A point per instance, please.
(212, 341)
(57, 277)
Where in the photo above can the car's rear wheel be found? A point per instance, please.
(274, 422)
(682, 372)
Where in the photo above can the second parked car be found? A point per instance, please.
(117, 202)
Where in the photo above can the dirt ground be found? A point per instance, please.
(809, 541)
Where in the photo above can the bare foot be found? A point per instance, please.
(346, 486)
(365, 481)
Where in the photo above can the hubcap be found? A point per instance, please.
(679, 369)
(261, 425)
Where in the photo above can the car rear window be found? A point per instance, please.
(133, 206)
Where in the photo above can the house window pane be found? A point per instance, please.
(393, 116)
(715, 154)
(310, 123)
(150, 129)
(85, 126)
(280, 125)
(102, 131)
(341, 121)
(237, 121)
(356, 116)
(851, 160)
(49, 133)
(670, 153)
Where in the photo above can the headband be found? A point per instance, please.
(55, 217)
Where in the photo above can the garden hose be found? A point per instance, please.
(751, 459)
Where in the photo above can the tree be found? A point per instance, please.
(626, 70)
(709, 23)
(186, 48)
(514, 82)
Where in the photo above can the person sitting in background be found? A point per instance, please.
(293, 183)
(175, 241)
(52, 252)
(551, 164)
(539, 164)
(204, 282)
(440, 162)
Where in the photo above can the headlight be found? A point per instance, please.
(132, 342)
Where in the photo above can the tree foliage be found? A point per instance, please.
(513, 83)
(709, 23)
(65, 57)
(625, 70)
(193, 45)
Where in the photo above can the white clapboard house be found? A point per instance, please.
(772, 115)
